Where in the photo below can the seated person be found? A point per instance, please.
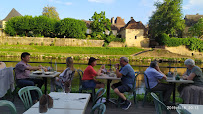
(22, 72)
(127, 75)
(193, 73)
(154, 74)
(2, 65)
(88, 80)
(67, 75)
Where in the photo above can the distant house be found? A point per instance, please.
(134, 32)
(190, 20)
(13, 13)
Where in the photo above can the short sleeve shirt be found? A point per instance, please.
(20, 70)
(128, 75)
(153, 76)
(89, 73)
(198, 79)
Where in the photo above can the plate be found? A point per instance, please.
(48, 73)
(37, 72)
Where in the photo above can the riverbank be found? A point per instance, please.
(83, 53)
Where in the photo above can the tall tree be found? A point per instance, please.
(167, 18)
(197, 29)
(99, 25)
(50, 12)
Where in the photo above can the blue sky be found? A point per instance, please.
(140, 10)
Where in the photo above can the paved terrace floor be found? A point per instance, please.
(111, 108)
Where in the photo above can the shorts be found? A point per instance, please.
(88, 84)
(122, 87)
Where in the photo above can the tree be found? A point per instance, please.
(167, 19)
(71, 28)
(44, 26)
(197, 28)
(20, 25)
(99, 25)
(50, 12)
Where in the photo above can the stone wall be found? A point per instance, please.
(182, 50)
(56, 41)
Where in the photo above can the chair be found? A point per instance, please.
(25, 96)
(159, 106)
(132, 92)
(148, 90)
(80, 73)
(100, 107)
(179, 111)
(97, 96)
(10, 105)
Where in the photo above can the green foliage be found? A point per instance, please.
(191, 43)
(50, 12)
(162, 39)
(197, 29)
(167, 19)
(99, 25)
(72, 28)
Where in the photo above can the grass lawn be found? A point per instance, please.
(71, 50)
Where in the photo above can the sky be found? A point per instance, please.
(140, 10)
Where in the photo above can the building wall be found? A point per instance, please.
(131, 41)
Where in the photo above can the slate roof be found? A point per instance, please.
(13, 13)
(190, 20)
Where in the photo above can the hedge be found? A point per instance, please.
(191, 43)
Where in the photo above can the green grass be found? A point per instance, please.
(71, 50)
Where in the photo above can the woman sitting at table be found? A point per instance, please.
(65, 77)
(88, 80)
(193, 73)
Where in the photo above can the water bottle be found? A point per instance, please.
(175, 73)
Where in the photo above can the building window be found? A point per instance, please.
(135, 37)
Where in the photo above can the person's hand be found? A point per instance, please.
(45, 69)
(102, 67)
(117, 66)
(184, 77)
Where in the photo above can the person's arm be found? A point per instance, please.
(118, 74)
(36, 68)
(99, 71)
(190, 77)
(158, 69)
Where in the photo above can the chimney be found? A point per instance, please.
(197, 14)
(124, 20)
(112, 21)
(131, 18)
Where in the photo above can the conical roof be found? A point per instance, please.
(13, 13)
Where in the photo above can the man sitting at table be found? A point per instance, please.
(154, 74)
(127, 75)
(22, 72)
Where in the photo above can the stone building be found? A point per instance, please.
(13, 13)
(190, 20)
(134, 32)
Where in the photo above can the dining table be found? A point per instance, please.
(64, 103)
(45, 76)
(174, 82)
(109, 77)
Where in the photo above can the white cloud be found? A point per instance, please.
(102, 1)
(60, 2)
(193, 3)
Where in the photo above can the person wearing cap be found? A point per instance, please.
(127, 75)
(22, 72)
(88, 80)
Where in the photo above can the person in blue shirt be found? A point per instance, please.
(127, 75)
(154, 74)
